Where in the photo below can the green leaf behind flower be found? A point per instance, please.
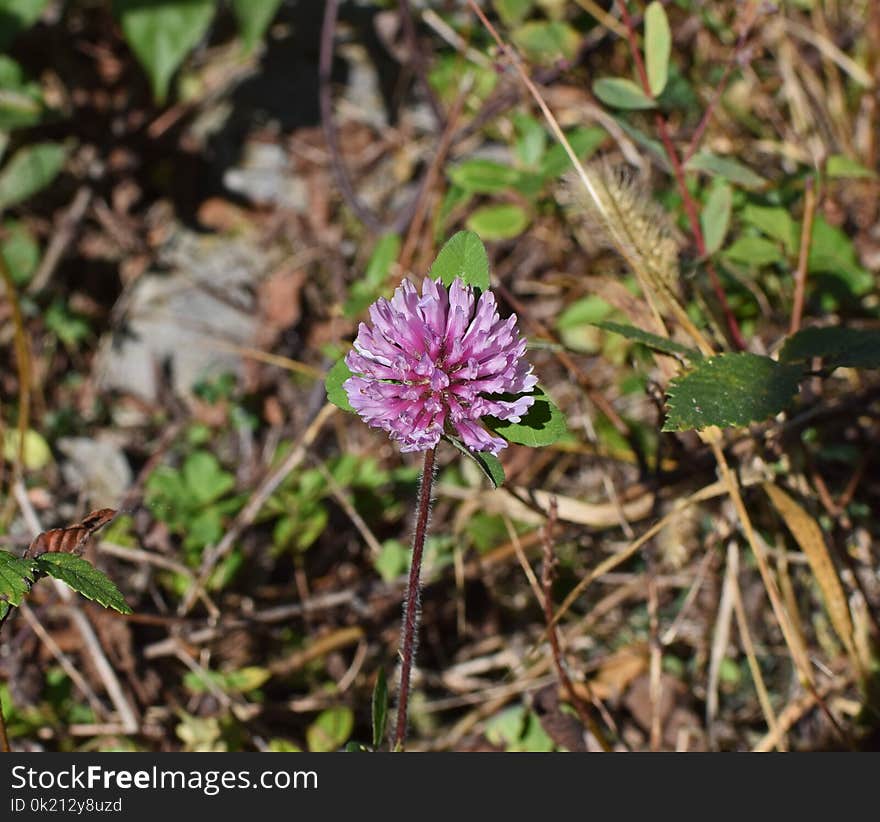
(333, 383)
(463, 256)
(544, 424)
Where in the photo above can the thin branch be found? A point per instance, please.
(800, 277)
(690, 206)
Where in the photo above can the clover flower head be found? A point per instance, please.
(436, 363)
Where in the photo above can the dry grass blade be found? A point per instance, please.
(809, 537)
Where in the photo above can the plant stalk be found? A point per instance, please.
(410, 627)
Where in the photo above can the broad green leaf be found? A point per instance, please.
(839, 165)
(730, 389)
(543, 424)
(380, 708)
(576, 324)
(20, 250)
(161, 33)
(715, 216)
(253, 18)
(658, 47)
(84, 578)
(584, 141)
(846, 347)
(333, 383)
(547, 41)
(832, 252)
(17, 16)
(393, 560)
(755, 251)
(620, 92)
(36, 453)
(204, 477)
(30, 170)
(241, 681)
(653, 147)
(732, 170)
(654, 341)
(481, 176)
(512, 12)
(16, 578)
(21, 101)
(331, 729)
(531, 141)
(498, 222)
(365, 290)
(775, 222)
(486, 462)
(463, 256)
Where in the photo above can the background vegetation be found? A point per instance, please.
(199, 201)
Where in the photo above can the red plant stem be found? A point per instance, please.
(410, 626)
(4, 739)
(800, 277)
(690, 206)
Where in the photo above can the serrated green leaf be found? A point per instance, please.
(481, 176)
(658, 47)
(16, 578)
(654, 341)
(498, 222)
(365, 291)
(756, 251)
(620, 92)
(380, 709)
(730, 389)
(161, 33)
(838, 347)
(333, 383)
(463, 256)
(544, 424)
(253, 18)
(30, 170)
(84, 578)
(486, 462)
(715, 216)
(330, 730)
(547, 41)
(732, 170)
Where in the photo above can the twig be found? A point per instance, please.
(325, 69)
(91, 641)
(417, 60)
(749, 647)
(23, 368)
(750, 16)
(800, 277)
(547, 574)
(409, 630)
(255, 504)
(420, 208)
(61, 238)
(678, 172)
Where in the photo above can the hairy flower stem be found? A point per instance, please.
(410, 626)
